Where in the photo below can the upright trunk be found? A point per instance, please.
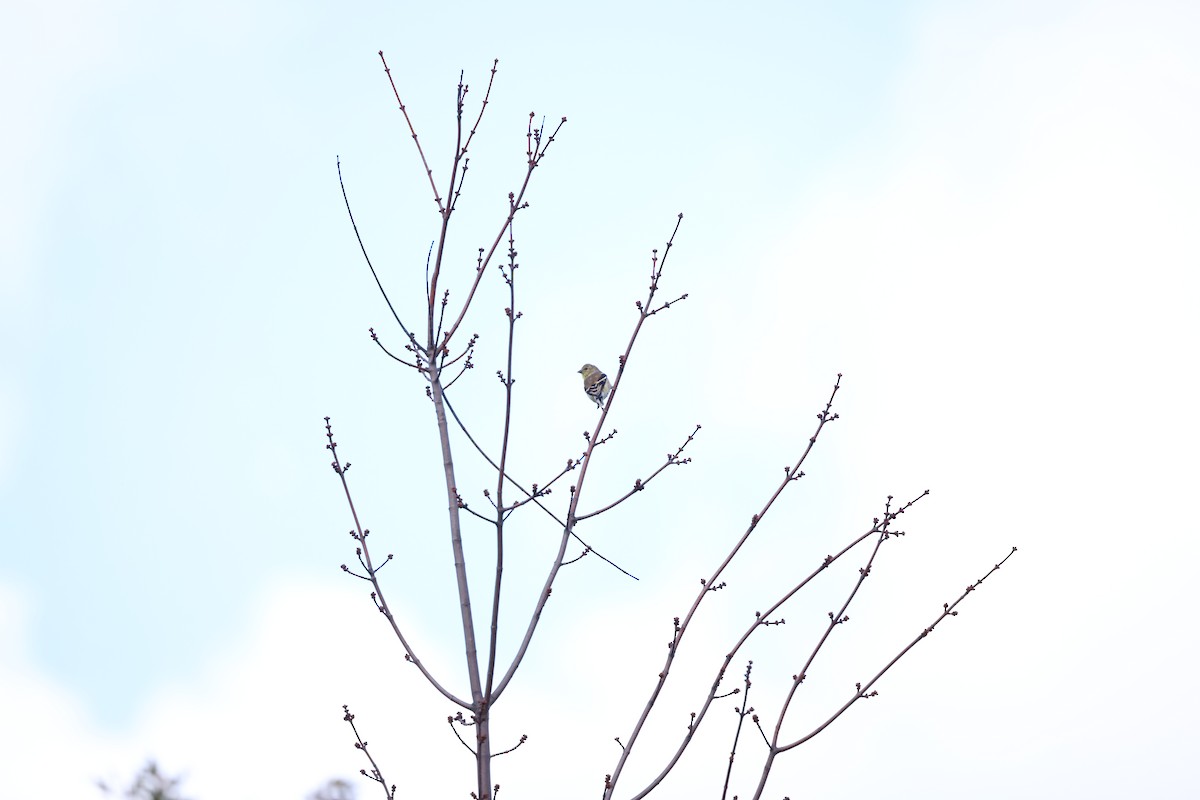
(478, 701)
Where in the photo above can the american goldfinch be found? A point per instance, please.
(595, 383)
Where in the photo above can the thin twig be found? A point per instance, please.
(762, 619)
(375, 774)
(516, 203)
(544, 597)
(360, 535)
(513, 315)
(673, 460)
(524, 738)
(375, 338)
(534, 497)
(366, 257)
(791, 474)
(482, 106)
(461, 721)
(428, 172)
(861, 690)
(741, 712)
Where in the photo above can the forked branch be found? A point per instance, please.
(791, 474)
(656, 270)
(864, 690)
(360, 535)
(673, 460)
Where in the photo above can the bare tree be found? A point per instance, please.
(438, 352)
(334, 789)
(151, 783)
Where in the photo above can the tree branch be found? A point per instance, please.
(673, 459)
(360, 535)
(791, 474)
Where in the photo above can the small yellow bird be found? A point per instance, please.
(595, 384)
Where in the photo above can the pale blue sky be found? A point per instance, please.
(983, 214)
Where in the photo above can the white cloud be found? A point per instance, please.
(262, 720)
(51, 750)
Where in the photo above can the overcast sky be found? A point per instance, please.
(984, 215)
